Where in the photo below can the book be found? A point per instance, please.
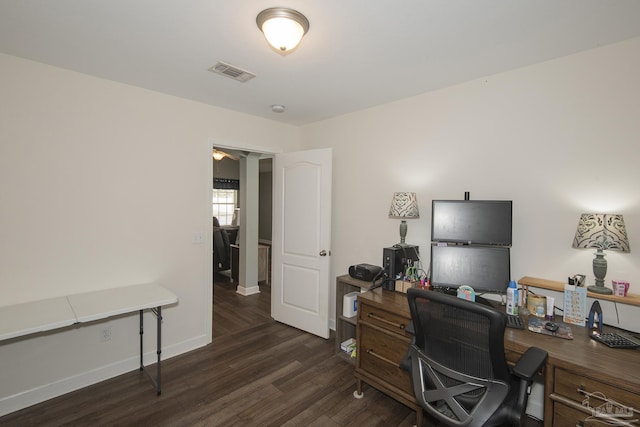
(348, 346)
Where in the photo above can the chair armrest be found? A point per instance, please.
(530, 363)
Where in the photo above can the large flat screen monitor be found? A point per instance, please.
(484, 268)
(483, 222)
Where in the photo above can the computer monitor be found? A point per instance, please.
(483, 222)
(484, 268)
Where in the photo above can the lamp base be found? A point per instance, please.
(600, 271)
(403, 231)
(600, 290)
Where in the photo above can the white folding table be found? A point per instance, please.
(37, 316)
(44, 315)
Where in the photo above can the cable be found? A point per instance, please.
(416, 255)
(384, 279)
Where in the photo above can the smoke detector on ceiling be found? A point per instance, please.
(277, 108)
(232, 72)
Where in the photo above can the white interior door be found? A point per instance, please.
(301, 240)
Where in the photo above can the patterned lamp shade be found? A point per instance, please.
(404, 205)
(601, 231)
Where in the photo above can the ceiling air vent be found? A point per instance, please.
(231, 71)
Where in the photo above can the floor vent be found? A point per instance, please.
(232, 72)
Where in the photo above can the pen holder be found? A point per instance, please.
(404, 285)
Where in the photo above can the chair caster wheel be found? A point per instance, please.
(358, 395)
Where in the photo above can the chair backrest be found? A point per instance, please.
(459, 369)
(221, 246)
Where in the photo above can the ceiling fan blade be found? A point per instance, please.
(232, 156)
(219, 155)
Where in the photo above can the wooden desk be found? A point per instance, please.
(232, 232)
(264, 263)
(577, 367)
(574, 368)
(382, 342)
(44, 315)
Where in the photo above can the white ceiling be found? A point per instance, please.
(357, 53)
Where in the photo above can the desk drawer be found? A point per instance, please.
(574, 387)
(392, 322)
(565, 416)
(381, 354)
(512, 356)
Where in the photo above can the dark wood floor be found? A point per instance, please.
(257, 372)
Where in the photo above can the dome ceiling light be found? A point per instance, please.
(283, 28)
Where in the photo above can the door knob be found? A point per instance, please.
(324, 253)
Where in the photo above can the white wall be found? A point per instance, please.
(558, 138)
(104, 185)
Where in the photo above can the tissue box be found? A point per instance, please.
(350, 304)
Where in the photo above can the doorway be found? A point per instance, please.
(228, 175)
(302, 246)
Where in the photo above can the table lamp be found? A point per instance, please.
(601, 231)
(404, 205)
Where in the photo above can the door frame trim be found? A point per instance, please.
(210, 144)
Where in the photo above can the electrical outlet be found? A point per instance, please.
(105, 334)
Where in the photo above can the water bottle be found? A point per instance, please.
(512, 298)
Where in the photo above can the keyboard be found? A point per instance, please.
(444, 290)
(614, 340)
(514, 321)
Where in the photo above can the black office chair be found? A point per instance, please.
(221, 248)
(458, 366)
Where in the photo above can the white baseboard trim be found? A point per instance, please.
(39, 394)
(245, 291)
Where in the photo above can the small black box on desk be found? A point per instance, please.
(366, 272)
(394, 259)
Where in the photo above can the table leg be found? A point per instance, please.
(158, 346)
(141, 334)
(156, 382)
(419, 417)
(358, 392)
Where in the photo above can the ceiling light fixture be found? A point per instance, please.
(283, 28)
(218, 155)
